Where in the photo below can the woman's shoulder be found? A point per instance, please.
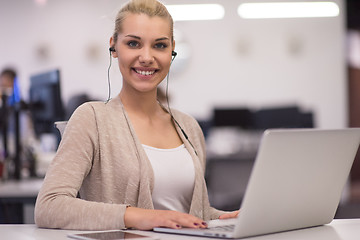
(97, 107)
(86, 112)
(93, 104)
(87, 108)
(185, 120)
(182, 116)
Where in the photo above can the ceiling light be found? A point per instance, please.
(41, 2)
(288, 10)
(193, 12)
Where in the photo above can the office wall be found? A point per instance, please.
(236, 62)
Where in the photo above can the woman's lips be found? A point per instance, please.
(145, 72)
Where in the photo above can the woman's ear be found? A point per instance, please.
(112, 48)
(173, 45)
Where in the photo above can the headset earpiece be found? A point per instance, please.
(112, 49)
(173, 53)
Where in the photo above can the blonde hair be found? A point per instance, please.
(151, 8)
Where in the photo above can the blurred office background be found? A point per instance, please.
(230, 73)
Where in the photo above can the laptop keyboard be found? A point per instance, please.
(224, 228)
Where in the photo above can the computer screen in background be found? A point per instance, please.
(46, 104)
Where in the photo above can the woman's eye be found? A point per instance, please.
(160, 45)
(133, 44)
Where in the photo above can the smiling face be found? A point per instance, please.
(143, 48)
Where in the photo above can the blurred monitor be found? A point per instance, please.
(282, 117)
(45, 101)
(232, 117)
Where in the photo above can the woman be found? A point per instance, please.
(128, 158)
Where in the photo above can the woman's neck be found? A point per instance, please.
(145, 104)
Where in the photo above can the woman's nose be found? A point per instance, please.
(146, 56)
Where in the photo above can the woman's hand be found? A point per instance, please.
(233, 214)
(146, 219)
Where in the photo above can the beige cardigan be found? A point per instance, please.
(101, 158)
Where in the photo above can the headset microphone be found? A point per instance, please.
(173, 54)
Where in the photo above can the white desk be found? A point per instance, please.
(344, 229)
(26, 188)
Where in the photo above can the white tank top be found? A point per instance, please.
(174, 178)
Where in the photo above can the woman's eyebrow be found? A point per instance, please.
(162, 39)
(139, 38)
(133, 36)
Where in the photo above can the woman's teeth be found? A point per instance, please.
(146, 73)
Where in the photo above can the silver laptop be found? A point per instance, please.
(296, 182)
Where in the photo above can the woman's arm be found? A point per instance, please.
(57, 205)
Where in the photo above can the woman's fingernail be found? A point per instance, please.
(196, 224)
(178, 226)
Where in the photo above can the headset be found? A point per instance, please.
(111, 49)
(173, 54)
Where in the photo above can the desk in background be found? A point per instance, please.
(344, 229)
(17, 200)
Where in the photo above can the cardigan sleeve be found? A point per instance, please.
(57, 205)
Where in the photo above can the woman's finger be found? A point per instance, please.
(187, 220)
(233, 214)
